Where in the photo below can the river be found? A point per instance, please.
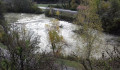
(38, 25)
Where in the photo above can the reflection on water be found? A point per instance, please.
(37, 25)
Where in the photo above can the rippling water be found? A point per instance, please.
(37, 24)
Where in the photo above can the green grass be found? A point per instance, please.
(45, 5)
(69, 63)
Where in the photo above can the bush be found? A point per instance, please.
(36, 10)
(1, 8)
(49, 12)
(21, 53)
(73, 5)
(24, 6)
(2, 20)
(61, 16)
(104, 7)
(67, 4)
(110, 17)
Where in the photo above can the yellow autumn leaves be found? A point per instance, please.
(55, 38)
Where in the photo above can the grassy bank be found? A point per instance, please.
(45, 5)
(66, 16)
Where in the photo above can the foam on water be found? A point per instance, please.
(37, 24)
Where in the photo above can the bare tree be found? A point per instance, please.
(90, 29)
(21, 47)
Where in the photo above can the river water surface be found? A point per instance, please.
(38, 25)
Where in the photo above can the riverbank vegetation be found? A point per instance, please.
(22, 6)
(65, 16)
(89, 19)
(63, 4)
(17, 51)
(109, 12)
(66, 4)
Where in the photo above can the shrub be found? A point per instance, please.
(24, 6)
(90, 30)
(1, 8)
(60, 15)
(21, 53)
(55, 39)
(36, 10)
(73, 5)
(2, 20)
(103, 7)
(49, 12)
(110, 17)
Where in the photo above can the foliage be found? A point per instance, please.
(57, 13)
(110, 16)
(90, 30)
(24, 6)
(103, 7)
(62, 15)
(1, 12)
(35, 9)
(1, 8)
(55, 38)
(1, 33)
(66, 4)
(46, 1)
(49, 12)
(21, 53)
(2, 20)
(73, 5)
(1, 16)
